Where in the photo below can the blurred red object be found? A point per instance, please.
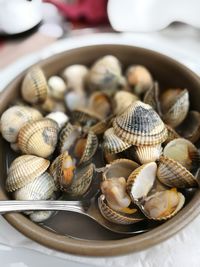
(89, 11)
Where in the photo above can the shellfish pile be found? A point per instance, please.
(64, 123)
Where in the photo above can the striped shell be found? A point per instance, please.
(172, 134)
(41, 188)
(114, 216)
(24, 170)
(62, 169)
(34, 86)
(113, 144)
(14, 118)
(141, 181)
(101, 126)
(157, 207)
(85, 116)
(178, 109)
(145, 154)
(173, 174)
(122, 100)
(140, 125)
(39, 138)
(152, 97)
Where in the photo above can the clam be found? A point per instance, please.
(151, 97)
(184, 152)
(62, 169)
(75, 76)
(175, 106)
(122, 100)
(82, 181)
(57, 87)
(105, 75)
(41, 188)
(113, 144)
(139, 78)
(34, 86)
(141, 181)
(24, 170)
(100, 103)
(172, 134)
(38, 138)
(75, 100)
(14, 118)
(145, 154)
(86, 116)
(59, 117)
(115, 216)
(101, 126)
(190, 127)
(173, 174)
(69, 134)
(140, 125)
(163, 205)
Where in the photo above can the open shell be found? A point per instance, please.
(14, 118)
(34, 87)
(173, 174)
(140, 125)
(114, 216)
(86, 116)
(113, 144)
(145, 154)
(152, 97)
(24, 170)
(38, 138)
(177, 108)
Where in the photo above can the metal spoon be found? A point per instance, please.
(85, 207)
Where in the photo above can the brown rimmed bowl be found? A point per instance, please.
(83, 237)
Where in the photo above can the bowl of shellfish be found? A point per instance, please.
(113, 124)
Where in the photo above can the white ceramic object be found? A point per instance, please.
(151, 15)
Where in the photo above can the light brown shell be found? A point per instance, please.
(57, 87)
(86, 116)
(114, 216)
(173, 174)
(24, 170)
(34, 86)
(14, 118)
(113, 144)
(140, 125)
(152, 97)
(178, 109)
(122, 100)
(145, 154)
(39, 138)
(109, 158)
(172, 134)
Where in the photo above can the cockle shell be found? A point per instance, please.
(41, 188)
(117, 217)
(145, 154)
(100, 103)
(190, 127)
(38, 138)
(151, 97)
(163, 205)
(122, 100)
(14, 118)
(172, 134)
(113, 144)
(101, 126)
(34, 86)
(86, 116)
(140, 125)
(82, 181)
(57, 87)
(184, 152)
(69, 134)
(175, 107)
(105, 74)
(139, 78)
(59, 117)
(75, 76)
(62, 169)
(141, 181)
(173, 174)
(119, 168)
(24, 170)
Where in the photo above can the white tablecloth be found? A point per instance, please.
(183, 249)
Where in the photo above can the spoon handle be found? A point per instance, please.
(26, 205)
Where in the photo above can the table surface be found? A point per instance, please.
(180, 42)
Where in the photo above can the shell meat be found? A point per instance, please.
(34, 86)
(14, 118)
(140, 125)
(39, 138)
(57, 87)
(173, 174)
(24, 170)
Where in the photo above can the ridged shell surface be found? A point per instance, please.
(122, 100)
(147, 154)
